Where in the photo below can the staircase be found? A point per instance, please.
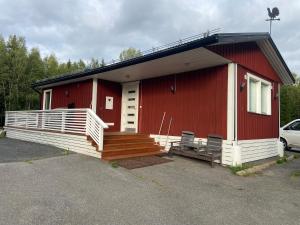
(127, 145)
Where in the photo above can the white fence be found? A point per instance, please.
(78, 121)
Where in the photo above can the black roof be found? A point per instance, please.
(220, 38)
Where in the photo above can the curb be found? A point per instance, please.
(256, 169)
(260, 167)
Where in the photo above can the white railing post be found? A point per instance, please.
(6, 118)
(100, 139)
(26, 121)
(36, 120)
(87, 122)
(63, 121)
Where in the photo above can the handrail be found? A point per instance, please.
(80, 121)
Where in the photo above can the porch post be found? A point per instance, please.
(94, 94)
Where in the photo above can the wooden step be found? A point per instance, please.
(130, 140)
(127, 136)
(110, 158)
(129, 145)
(130, 151)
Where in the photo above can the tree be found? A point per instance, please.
(51, 66)
(17, 63)
(129, 54)
(290, 102)
(35, 71)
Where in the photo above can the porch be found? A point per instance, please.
(78, 130)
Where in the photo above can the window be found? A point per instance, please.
(259, 95)
(47, 99)
(295, 126)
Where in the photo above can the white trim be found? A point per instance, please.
(231, 102)
(279, 101)
(94, 94)
(44, 98)
(259, 81)
(235, 103)
(123, 106)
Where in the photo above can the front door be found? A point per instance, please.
(130, 107)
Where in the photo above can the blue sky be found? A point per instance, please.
(74, 29)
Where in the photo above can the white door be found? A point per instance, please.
(130, 107)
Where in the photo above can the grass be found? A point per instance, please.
(235, 169)
(295, 174)
(282, 160)
(66, 151)
(2, 133)
(114, 164)
(296, 156)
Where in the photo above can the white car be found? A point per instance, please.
(290, 134)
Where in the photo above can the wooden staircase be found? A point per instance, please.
(127, 145)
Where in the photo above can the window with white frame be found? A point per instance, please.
(259, 95)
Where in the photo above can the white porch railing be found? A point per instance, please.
(79, 121)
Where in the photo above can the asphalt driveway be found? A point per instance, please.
(12, 150)
(76, 189)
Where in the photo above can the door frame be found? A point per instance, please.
(123, 105)
(44, 98)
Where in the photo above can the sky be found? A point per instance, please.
(82, 29)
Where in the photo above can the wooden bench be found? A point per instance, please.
(187, 147)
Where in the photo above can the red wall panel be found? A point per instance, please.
(112, 89)
(252, 125)
(199, 103)
(248, 55)
(79, 93)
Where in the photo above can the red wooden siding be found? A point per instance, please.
(199, 103)
(252, 125)
(112, 89)
(248, 55)
(79, 93)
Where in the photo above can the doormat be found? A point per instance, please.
(143, 161)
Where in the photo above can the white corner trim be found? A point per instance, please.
(94, 94)
(231, 102)
(44, 98)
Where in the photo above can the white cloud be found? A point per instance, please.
(102, 28)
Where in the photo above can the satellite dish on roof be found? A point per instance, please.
(272, 14)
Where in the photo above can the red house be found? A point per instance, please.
(226, 84)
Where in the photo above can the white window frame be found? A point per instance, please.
(258, 94)
(44, 98)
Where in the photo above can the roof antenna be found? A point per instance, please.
(272, 14)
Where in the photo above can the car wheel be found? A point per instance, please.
(285, 145)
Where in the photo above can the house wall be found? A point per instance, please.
(253, 125)
(111, 89)
(251, 59)
(249, 56)
(79, 93)
(199, 103)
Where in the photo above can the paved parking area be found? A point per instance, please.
(76, 189)
(12, 150)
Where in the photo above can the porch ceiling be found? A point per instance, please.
(182, 62)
